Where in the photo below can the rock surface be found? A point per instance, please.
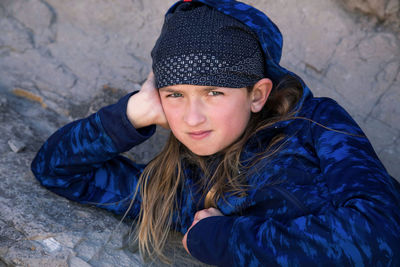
(386, 12)
(62, 60)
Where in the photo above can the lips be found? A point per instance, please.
(198, 135)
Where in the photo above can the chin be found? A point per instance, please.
(203, 152)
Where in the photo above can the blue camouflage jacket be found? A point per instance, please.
(323, 199)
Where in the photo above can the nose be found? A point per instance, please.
(194, 113)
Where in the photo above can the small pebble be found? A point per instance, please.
(51, 244)
(3, 102)
(16, 146)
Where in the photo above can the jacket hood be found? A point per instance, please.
(268, 34)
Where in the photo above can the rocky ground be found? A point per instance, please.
(62, 60)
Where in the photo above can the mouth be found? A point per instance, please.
(198, 135)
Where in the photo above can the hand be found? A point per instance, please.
(201, 214)
(144, 108)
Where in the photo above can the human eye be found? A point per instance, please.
(215, 93)
(174, 95)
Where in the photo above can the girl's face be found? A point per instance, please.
(206, 119)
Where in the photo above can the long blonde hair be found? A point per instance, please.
(161, 180)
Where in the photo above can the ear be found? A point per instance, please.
(259, 94)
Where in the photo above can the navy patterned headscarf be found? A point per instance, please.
(201, 46)
(194, 53)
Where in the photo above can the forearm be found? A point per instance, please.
(81, 160)
(339, 236)
(85, 144)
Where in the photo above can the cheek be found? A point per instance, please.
(238, 123)
(233, 119)
(172, 115)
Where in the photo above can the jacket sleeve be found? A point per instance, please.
(358, 227)
(81, 160)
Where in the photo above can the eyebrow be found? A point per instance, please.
(168, 89)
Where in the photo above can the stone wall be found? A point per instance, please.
(62, 60)
(384, 12)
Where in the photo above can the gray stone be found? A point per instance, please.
(387, 109)
(383, 11)
(3, 102)
(15, 145)
(77, 262)
(37, 17)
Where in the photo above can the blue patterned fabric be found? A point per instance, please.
(324, 199)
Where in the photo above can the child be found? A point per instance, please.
(256, 170)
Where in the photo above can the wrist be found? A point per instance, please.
(208, 240)
(116, 124)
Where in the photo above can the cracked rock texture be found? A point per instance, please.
(386, 12)
(63, 60)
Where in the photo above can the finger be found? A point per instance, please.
(184, 242)
(214, 212)
(197, 215)
(151, 78)
(201, 214)
(193, 223)
(149, 83)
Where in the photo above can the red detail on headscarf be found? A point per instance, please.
(187, 0)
